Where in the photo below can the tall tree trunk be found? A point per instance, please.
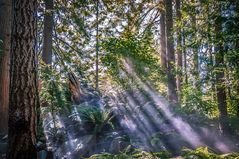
(5, 30)
(172, 94)
(22, 105)
(220, 77)
(195, 68)
(47, 51)
(179, 48)
(97, 46)
(163, 55)
(47, 32)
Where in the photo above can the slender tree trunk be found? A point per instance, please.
(163, 54)
(220, 78)
(172, 94)
(185, 60)
(97, 46)
(22, 106)
(5, 39)
(47, 32)
(195, 71)
(179, 48)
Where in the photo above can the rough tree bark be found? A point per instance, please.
(22, 107)
(172, 93)
(5, 30)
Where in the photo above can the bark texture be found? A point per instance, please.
(5, 30)
(22, 106)
(172, 94)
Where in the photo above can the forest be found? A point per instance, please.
(119, 79)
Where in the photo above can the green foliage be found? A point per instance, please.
(110, 156)
(151, 155)
(96, 117)
(205, 153)
(195, 101)
(199, 153)
(137, 52)
(54, 92)
(200, 41)
(56, 136)
(136, 154)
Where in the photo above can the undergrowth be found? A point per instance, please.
(199, 153)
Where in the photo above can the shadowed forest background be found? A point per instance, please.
(119, 79)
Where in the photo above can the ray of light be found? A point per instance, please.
(182, 126)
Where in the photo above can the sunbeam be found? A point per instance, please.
(182, 127)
